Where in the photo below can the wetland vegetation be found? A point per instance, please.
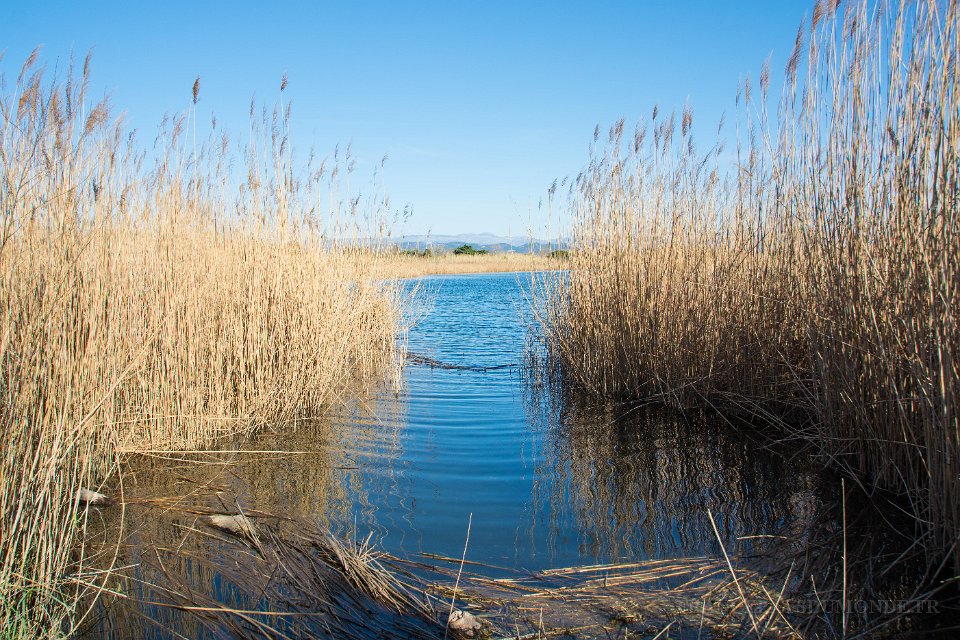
(807, 278)
(728, 408)
(146, 305)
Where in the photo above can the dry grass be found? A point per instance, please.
(687, 596)
(398, 265)
(148, 301)
(811, 274)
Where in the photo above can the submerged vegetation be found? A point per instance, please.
(810, 276)
(152, 299)
(289, 579)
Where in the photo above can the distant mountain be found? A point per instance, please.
(489, 241)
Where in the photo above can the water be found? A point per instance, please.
(549, 482)
(543, 480)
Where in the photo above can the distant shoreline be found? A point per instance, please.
(406, 266)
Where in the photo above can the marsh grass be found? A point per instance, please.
(154, 298)
(808, 277)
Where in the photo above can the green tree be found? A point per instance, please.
(468, 250)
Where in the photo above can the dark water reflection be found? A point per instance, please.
(639, 483)
(549, 481)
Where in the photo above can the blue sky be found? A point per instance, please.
(480, 106)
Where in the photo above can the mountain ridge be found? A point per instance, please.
(483, 240)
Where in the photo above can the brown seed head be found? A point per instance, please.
(818, 12)
(98, 116)
(28, 64)
(794, 60)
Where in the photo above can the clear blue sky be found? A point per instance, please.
(479, 105)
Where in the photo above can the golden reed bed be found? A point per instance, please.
(809, 274)
(145, 303)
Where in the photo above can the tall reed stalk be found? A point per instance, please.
(154, 299)
(811, 274)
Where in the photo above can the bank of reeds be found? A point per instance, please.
(401, 265)
(157, 298)
(810, 274)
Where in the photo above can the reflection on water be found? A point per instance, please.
(548, 481)
(638, 483)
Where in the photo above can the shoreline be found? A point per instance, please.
(401, 266)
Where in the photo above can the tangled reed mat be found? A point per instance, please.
(200, 566)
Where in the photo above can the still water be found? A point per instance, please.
(544, 480)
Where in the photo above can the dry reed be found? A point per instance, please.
(294, 580)
(155, 299)
(809, 277)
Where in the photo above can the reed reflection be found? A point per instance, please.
(309, 472)
(638, 482)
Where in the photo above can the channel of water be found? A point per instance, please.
(543, 480)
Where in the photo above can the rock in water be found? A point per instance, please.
(238, 525)
(464, 622)
(86, 496)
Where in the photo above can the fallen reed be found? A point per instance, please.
(808, 276)
(158, 297)
(187, 565)
(275, 579)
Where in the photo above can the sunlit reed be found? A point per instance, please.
(157, 298)
(809, 275)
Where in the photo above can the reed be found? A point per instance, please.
(154, 298)
(808, 276)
